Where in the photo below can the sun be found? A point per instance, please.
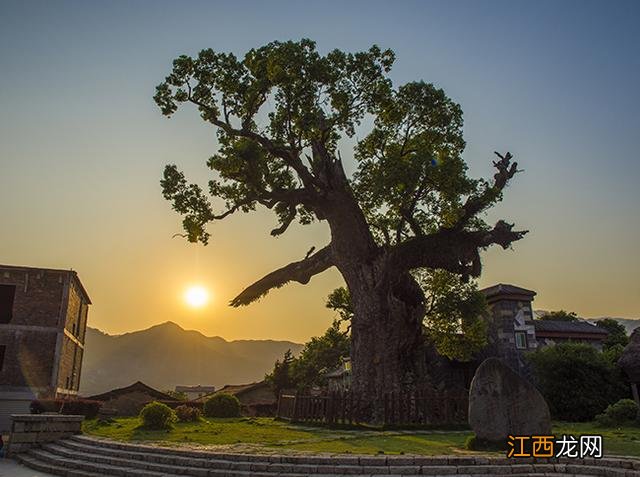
(196, 296)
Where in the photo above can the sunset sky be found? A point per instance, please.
(83, 146)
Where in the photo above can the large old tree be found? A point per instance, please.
(281, 114)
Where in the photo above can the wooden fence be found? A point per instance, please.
(421, 407)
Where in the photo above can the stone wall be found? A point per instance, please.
(38, 295)
(43, 341)
(33, 430)
(28, 357)
(69, 365)
(504, 329)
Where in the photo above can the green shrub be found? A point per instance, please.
(156, 415)
(624, 411)
(577, 381)
(188, 413)
(222, 405)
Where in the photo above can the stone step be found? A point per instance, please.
(88, 466)
(125, 461)
(157, 457)
(36, 464)
(88, 457)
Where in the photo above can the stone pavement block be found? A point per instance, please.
(439, 470)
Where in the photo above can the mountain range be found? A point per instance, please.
(167, 355)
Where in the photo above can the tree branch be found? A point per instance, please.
(475, 204)
(289, 156)
(300, 272)
(457, 251)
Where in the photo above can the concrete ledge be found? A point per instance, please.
(33, 430)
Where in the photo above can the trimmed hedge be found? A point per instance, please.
(156, 415)
(84, 407)
(222, 405)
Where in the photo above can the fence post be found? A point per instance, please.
(294, 414)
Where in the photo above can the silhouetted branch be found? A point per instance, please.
(300, 272)
(457, 251)
(477, 203)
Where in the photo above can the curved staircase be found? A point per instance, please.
(83, 456)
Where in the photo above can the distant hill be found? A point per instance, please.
(629, 323)
(166, 355)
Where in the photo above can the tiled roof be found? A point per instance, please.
(559, 326)
(506, 289)
(138, 386)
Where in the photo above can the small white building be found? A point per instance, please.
(195, 392)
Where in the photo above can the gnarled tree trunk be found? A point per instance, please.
(386, 345)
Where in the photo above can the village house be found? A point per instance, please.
(43, 319)
(550, 332)
(339, 379)
(129, 400)
(517, 332)
(195, 392)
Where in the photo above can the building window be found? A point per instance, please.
(7, 294)
(521, 340)
(3, 348)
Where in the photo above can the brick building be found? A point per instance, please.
(516, 332)
(43, 318)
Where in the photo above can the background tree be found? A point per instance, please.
(177, 395)
(319, 355)
(280, 378)
(617, 332)
(560, 315)
(280, 114)
(577, 380)
(456, 314)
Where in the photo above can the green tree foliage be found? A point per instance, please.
(410, 181)
(560, 315)
(340, 301)
(280, 378)
(617, 332)
(456, 312)
(577, 381)
(222, 405)
(156, 415)
(177, 395)
(625, 411)
(320, 354)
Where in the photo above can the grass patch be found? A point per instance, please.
(269, 435)
(623, 440)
